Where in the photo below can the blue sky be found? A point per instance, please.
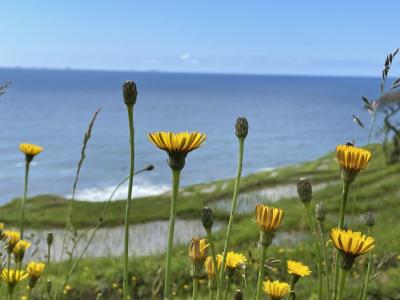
(268, 37)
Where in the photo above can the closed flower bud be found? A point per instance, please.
(129, 92)
(238, 295)
(304, 190)
(49, 239)
(320, 212)
(242, 127)
(369, 219)
(207, 218)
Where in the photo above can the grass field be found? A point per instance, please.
(376, 189)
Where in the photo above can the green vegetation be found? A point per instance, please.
(376, 189)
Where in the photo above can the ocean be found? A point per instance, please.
(291, 118)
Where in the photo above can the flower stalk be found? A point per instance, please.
(241, 130)
(175, 189)
(261, 270)
(129, 94)
(369, 269)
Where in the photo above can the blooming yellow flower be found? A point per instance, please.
(12, 277)
(233, 259)
(19, 249)
(297, 268)
(1, 226)
(198, 250)
(11, 238)
(209, 265)
(35, 269)
(24, 298)
(30, 149)
(352, 159)
(351, 242)
(268, 218)
(177, 145)
(276, 289)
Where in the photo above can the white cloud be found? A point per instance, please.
(188, 58)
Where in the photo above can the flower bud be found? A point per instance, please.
(49, 239)
(238, 295)
(242, 127)
(304, 190)
(129, 92)
(207, 218)
(320, 211)
(149, 168)
(369, 219)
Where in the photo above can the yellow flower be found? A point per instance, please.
(209, 265)
(352, 159)
(351, 244)
(1, 226)
(19, 249)
(30, 150)
(268, 218)
(35, 269)
(198, 250)
(12, 277)
(276, 289)
(24, 298)
(66, 289)
(177, 145)
(233, 259)
(11, 238)
(297, 268)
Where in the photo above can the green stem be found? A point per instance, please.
(215, 263)
(263, 252)
(369, 269)
(324, 252)
(228, 283)
(233, 207)
(317, 247)
(175, 189)
(128, 201)
(342, 281)
(195, 288)
(24, 199)
(292, 294)
(212, 293)
(346, 186)
(372, 127)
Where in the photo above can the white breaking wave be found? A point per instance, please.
(140, 189)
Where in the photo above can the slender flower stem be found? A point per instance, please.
(233, 207)
(292, 294)
(212, 293)
(175, 189)
(369, 269)
(317, 247)
(128, 201)
(263, 252)
(323, 246)
(215, 263)
(342, 281)
(195, 288)
(372, 127)
(346, 186)
(228, 283)
(24, 199)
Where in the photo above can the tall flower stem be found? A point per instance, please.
(233, 207)
(22, 217)
(346, 186)
(175, 189)
(128, 201)
(292, 294)
(263, 253)
(323, 246)
(228, 283)
(317, 247)
(369, 269)
(342, 281)
(215, 263)
(212, 293)
(195, 288)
